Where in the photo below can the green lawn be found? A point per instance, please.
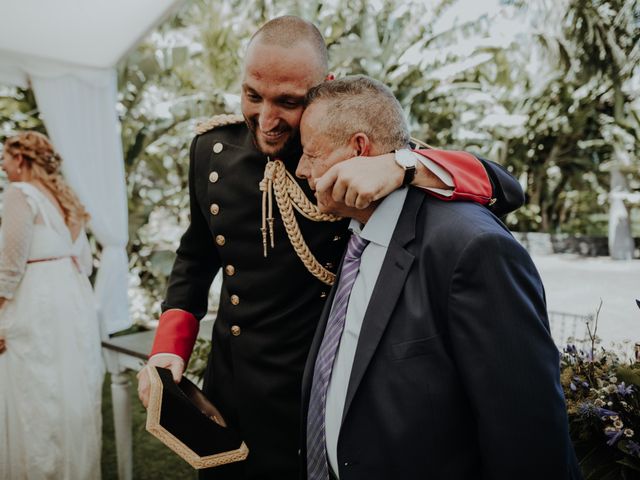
(151, 459)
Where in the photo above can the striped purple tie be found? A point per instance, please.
(317, 465)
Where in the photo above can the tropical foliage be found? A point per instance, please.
(550, 89)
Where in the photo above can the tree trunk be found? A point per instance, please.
(620, 240)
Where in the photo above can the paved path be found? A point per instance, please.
(576, 284)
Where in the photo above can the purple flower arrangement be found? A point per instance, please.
(603, 403)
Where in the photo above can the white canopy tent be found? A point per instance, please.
(66, 51)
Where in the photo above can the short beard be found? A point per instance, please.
(290, 148)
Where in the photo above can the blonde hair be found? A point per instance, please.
(44, 162)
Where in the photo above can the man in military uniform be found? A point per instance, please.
(277, 251)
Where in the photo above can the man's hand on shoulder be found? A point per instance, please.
(164, 360)
(359, 181)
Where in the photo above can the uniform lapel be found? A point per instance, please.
(391, 280)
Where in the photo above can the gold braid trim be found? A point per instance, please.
(218, 121)
(299, 200)
(420, 143)
(157, 430)
(289, 195)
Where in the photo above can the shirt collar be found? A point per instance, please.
(377, 229)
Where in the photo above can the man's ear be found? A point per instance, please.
(360, 144)
(330, 76)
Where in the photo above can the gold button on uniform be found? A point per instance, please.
(220, 240)
(328, 266)
(336, 238)
(235, 299)
(213, 177)
(230, 270)
(217, 147)
(323, 295)
(235, 330)
(214, 209)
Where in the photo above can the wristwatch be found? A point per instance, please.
(407, 160)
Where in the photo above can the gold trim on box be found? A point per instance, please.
(153, 426)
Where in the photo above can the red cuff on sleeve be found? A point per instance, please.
(469, 176)
(176, 334)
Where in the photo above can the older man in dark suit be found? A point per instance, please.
(433, 358)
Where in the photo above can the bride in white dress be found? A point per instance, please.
(51, 368)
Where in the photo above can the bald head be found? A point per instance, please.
(290, 31)
(284, 59)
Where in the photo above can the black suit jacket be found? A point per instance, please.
(455, 375)
(255, 376)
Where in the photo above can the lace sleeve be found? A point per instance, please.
(17, 231)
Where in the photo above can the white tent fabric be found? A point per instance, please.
(89, 33)
(67, 51)
(82, 123)
(17, 69)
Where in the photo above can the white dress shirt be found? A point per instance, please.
(378, 231)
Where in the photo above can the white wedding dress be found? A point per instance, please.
(52, 371)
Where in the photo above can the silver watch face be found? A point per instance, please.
(405, 158)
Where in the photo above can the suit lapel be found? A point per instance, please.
(389, 286)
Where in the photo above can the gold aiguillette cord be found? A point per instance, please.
(289, 196)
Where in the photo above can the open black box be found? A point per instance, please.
(182, 418)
